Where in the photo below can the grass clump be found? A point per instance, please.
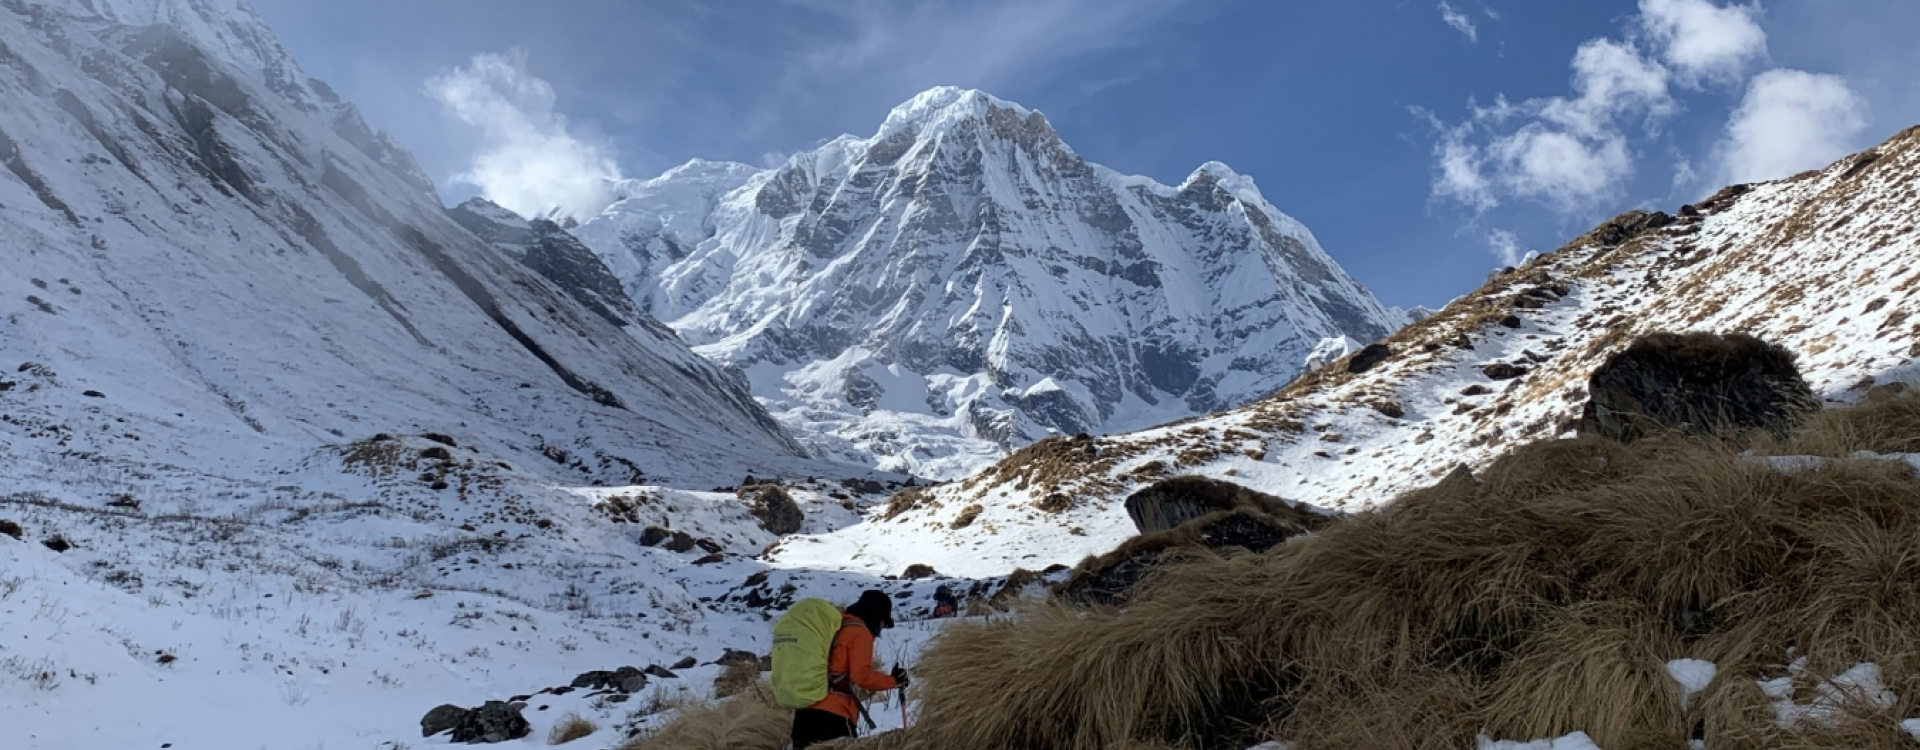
(569, 728)
(749, 721)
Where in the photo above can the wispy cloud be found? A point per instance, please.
(1567, 152)
(1460, 22)
(531, 161)
(1506, 246)
(1577, 153)
(1790, 120)
(979, 44)
(1703, 42)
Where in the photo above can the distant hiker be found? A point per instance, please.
(849, 665)
(944, 603)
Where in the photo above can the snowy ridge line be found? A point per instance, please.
(1818, 263)
(961, 284)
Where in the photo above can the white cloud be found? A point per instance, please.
(1567, 152)
(1459, 21)
(531, 162)
(1790, 121)
(1506, 246)
(1702, 41)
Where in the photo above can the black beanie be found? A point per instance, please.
(875, 608)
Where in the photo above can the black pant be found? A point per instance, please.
(812, 726)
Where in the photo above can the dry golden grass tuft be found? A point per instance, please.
(569, 728)
(735, 678)
(750, 721)
(1542, 599)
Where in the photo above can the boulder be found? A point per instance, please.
(680, 542)
(12, 529)
(1169, 503)
(918, 571)
(775, 508)
(442, 718)
(735, 656)
(1502, 371)
(1696, 384)
(686, 663)
(493, 721)
(1110, 579)
(654, 536)
(624, 679)
(1368, 357)
(655, 670)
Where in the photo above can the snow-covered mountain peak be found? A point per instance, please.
(945, 104)
(962, 283)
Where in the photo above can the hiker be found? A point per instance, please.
(849, 666)
(944, 603)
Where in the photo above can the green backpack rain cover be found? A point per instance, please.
(802, 641)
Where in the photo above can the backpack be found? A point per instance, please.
(802, 643)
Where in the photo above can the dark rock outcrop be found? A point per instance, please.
(1169, 503)
(1111, 579)
(775, 508)
(493, 721)
(442, 718)
(1697, 384)
(1369, 357)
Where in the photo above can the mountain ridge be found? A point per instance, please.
(1818, 263)
(962, 283)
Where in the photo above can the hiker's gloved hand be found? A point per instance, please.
(900, 676)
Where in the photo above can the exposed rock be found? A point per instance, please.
(775, 508)
(655, 670)
(624, 679)
(1629, 225)
(58, 543)
(918, 571)
(1170, 503)
(439, 438)
(654, 536)
(1369, 357)
(494, 721)
(442, 718)
(436, 454)
(710, 559)
(680, 542)
(1475, 390)
(1502, 370)
(1110, 579)
(1698, 384)
(12, 529)
(686, 663)
(736, 656)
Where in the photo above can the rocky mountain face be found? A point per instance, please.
(962, 283)
(1821, 263)
(231, 256)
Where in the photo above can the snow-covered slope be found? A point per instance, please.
(962, 283)
(1824, 263)
(295, 456)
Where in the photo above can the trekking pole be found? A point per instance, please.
(903, 708)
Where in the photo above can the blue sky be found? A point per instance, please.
(1423, 142)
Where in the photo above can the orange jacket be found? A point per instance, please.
(852, 656)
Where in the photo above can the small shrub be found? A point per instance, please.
(750, 721)
(570, 727)
(966, 517)
(735, 678)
